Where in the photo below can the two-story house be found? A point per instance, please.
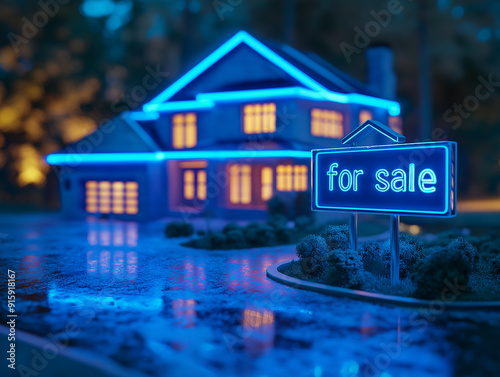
(228, 135)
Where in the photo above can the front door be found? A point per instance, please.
(194, 187)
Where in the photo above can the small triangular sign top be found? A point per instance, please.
(367, 128)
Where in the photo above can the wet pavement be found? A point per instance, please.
(124, 292)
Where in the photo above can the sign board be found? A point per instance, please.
(406, 179)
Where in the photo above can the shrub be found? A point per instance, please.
(278, 220)
(445, 265)
(259, 235)
(284, 235)
(235, 239)
(345, 269)
(410, 252)
(217, 240)
(179, 229)
(276, 205)
(494, 264)
(312, 251)
(371, 255)
(490, 249)
(201, 232)
(304, 223)
(230, 227)
(337, 237)
(466, 249)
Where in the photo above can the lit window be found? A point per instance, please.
(267, 183)
(291, 178)
(195, 184)
(184, 131)
(112, 197)
(365, 115)
(259, 118)
(327, 123)
(240, 185)
(202, 185)
(396, 124)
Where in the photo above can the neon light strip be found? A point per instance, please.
(243, 37)
(179, 106)
(240, 37)
(396, 140)
(90, 158)
(245, 95)
(447, 186)
(140, 115)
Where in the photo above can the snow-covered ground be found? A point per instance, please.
(133, 296)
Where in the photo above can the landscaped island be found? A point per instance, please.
(466, 267)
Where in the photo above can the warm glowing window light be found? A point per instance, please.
(240, 184)
(259, 118)
(327, 123)
(267, 183)
(396, 124)
(195, 184)
(116, 197)
(365, 115)
(184, 131)
(291, 178)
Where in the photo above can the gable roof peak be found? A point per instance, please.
(370, 126)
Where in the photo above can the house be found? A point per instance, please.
(228, 135)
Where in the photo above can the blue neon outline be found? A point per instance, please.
(245, 95)
(145, 116)
(396, 140)
(392, 107)
(89, 158)
(446, 147)
(178, 106)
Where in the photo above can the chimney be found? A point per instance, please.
(380, 67)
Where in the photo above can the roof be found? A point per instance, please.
(307, 70)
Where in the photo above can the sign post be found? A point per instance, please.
(396, 179)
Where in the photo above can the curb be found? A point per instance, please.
(68, 361)
(375, 298)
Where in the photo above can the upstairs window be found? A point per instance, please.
(112, 197)
(365, 115)
(291, 178)
(259, 118)
(184, 131)
(327, 123)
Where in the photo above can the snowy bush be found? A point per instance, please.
(312, 251)
(444, 266)
(371, 255)
(258, 235)
(235, 239)
(468, 251)
(230, 227)
(345, 269)
(337, 237)
(179, 229)
(277, 221)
